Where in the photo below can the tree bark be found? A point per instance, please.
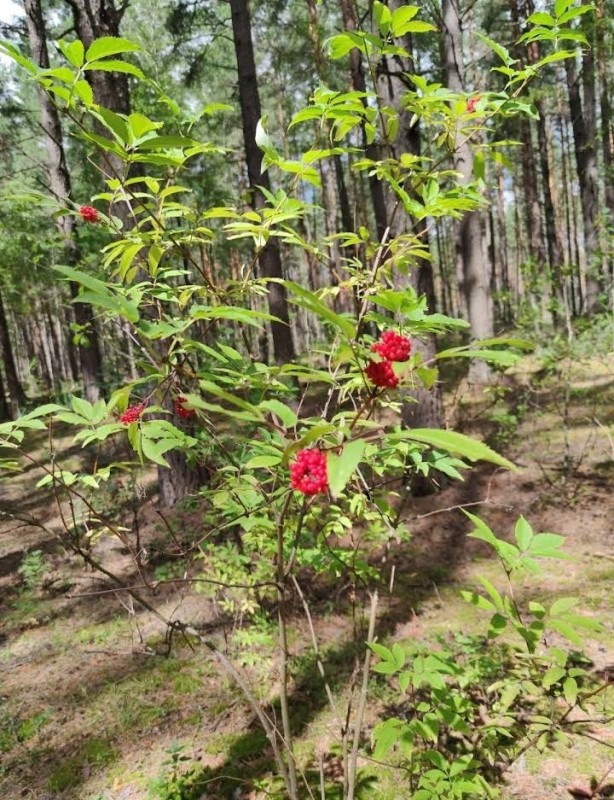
(584, 135)
(359, 84)
(424, 407)
(470, 249)
(607, 138)
(15, 394)
(59, 179)
(249, 99)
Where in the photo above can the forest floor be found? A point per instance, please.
(90, 709)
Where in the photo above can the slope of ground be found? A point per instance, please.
(91, 702)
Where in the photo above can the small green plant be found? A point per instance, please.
(14, 730)
(32, 569)
(470, 709)
(179, 782)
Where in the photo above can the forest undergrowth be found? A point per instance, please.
(97, 703)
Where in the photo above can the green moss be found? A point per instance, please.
(95, 753)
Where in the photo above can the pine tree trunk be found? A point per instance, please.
(607, 139)
(59, 181)
(470, 249)
(424, 407)
(15, 394)
(249, 99)
(584, 135)
(376, 188)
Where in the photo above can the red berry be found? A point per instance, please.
(309, 473)
(132, 413)
(392, 346)
(381, 374)
(181, 410)
(472, 104)
(88, 214)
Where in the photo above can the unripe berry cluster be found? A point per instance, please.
(309, 473)
(392, 346)
(88, 214)
(181, 410)
(132, 413)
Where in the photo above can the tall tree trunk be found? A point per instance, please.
(4, 408)
(607, 137)
(59, 180)
(249, 99)
(476, 288)
(424, 408)
(359, 84)
(584, 135)
(16, 395)
(531, 204)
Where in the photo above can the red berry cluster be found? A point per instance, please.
(392, 346)
(88, 214)
(381, 373)
(132, 413)
(472, 104)
(181, 410)
(309, 473)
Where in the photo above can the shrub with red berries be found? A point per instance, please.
(381, 374)
(392, 346)
(88, 214)
(132, 413)
(309, 473)
(181, 410)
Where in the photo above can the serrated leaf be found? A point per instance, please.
(73, 52)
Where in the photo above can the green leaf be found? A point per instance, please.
(312, 302)
(501, 357)
(342, 467)
(382, 16)
(110, 46)
(567, 630)
(562, 605)
(498, 49)
(84, 92)
(113, 65)
(541, 18)
(341, 44)
(477, 600)
(547, 545)
(453, 442)
(552, 676)
(560, 6)
(284, 412)
(400, 18)
(570, 690)
(523, 533)
(73, 52)
(572, 14)
(263, 461)
(498, 623)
